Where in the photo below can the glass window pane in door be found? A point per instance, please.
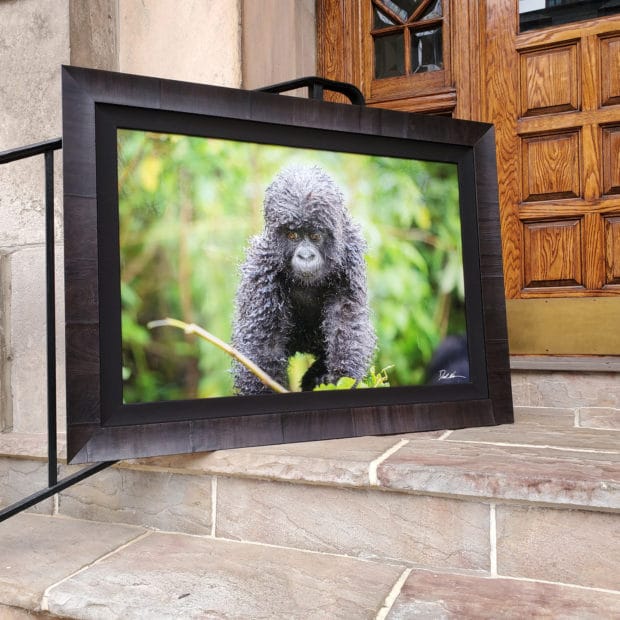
(403, 8)
(433, 11)
(426, 50)
(381, 20)
(389, 56)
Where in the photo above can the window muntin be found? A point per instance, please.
(407, 37)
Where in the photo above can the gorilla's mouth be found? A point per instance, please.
(308, 275)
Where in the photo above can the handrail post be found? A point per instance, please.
(50, 261)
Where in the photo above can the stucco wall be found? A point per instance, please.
(34, 42)
(197, 40)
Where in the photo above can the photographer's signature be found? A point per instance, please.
(444, 375)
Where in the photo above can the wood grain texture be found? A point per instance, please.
(593, 252)
(377, 421)
(612, 250)
(551, 166)
(590, 78)
(501, 104)
(610, 77)
(224, 433)
(611, 159)
(549, 80)
(566, 120)
(553, 253)
(339, 55)
(563, 72)
(345, 52)
(529, 211)
(590, 155)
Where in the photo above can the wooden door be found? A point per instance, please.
(554, 97)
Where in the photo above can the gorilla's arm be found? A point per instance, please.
(349, 335)
(262, 320)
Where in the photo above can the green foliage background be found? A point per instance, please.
(187, 208)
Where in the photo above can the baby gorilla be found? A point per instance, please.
(303, 286)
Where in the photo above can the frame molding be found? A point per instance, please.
(101, 427)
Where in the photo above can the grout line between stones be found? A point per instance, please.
(537, 446)
(564, 584)
(45, 597)
(374, 465)
(493, 539)
(390, 599)
(256, 543)
(445, 435)
(577, 417)
(213, 504)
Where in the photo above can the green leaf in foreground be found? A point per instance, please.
(371, 380)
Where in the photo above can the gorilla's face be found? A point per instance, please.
(305, 249)
(305, 219)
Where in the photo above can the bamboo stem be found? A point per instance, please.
(192, 328)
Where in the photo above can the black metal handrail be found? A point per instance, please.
(47, 149)
(316, 87)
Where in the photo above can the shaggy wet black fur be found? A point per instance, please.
(303, 286)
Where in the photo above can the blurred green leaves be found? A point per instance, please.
(187, 208)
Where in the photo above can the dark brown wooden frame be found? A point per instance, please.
(101, 427)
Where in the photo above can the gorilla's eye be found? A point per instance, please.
(292, 235)
(315, 236)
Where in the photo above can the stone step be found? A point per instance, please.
(72, 568)
(500, 501)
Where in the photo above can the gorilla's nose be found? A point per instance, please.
(306, 254)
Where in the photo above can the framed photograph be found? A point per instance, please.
(244, 268)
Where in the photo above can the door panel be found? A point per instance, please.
(610, 80)
(554, 251)
(612, 250)
(557, 149)
(551, 166)
(549, 80)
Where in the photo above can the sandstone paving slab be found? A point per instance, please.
(566, 478)
(431, 595)
(20, 478)
(397, 527)
(336, 461)
(599, 417)
(17, 613)
(167, 500)
(521, 434)
(38, 551)
(28, 445)
(544, 416)
(570, 546)
(563, 389)
(171, 576)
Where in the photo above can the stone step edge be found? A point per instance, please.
(585, 486)
(492, 586)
